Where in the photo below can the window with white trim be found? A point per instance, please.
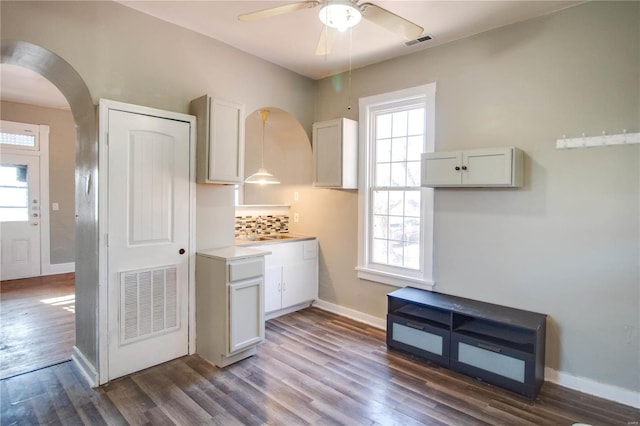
(395, 228)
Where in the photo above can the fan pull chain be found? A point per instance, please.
(350, 51)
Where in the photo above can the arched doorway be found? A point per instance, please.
(73, 87)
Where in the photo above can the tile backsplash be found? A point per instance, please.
(261, 225)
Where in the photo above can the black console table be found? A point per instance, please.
(500, 345)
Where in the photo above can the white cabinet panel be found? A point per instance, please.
(490, 167)
(442, 168)
(487, 167)
(291, 274)
(335, 154)
(272, 287)
(246, 324)
(220, 140)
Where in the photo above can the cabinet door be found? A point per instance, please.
(441, 168)
(327, 154)
(298, 283)
(272, 288)
(486, 167)
(246, 314)
(226, 143)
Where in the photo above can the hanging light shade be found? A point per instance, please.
(262, 176)
(340, 14)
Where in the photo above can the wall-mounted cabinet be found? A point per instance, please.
(220, 140)
(489, 167)
(335, 154)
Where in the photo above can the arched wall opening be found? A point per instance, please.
(73, 87)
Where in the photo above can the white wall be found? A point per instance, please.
(568, 243)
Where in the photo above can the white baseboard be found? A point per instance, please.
(351, 313)
(592, 387)
(86, 368)
(58, 268)
(582, 384)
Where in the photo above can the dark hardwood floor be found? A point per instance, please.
(37, 323)
(313, 368)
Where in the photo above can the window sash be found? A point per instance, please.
(413, 272)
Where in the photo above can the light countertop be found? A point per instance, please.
(232, 253)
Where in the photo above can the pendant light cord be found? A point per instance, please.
(264, 113)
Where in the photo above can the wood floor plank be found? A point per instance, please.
(314, 368)
(38, 323)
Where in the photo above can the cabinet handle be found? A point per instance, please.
(457, 168)
(416, 326)
(489, 347)
(464, 167)
(283, 286)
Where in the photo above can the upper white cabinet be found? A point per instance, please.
(220, 140)
(489, 167)
(335, 154)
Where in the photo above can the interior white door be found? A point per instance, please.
(20, 216)
(148, 240)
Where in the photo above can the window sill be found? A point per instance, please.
(393, 279)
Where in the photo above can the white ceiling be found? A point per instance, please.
(290, 39)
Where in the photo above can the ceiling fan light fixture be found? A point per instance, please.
(341, 15)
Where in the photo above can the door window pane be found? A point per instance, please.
(14, 193)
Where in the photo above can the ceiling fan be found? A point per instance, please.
(339, 15)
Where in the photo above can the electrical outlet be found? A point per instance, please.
(296, 217)
(55, 207)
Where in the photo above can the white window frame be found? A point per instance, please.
(396, 276)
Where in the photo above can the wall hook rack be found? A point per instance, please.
(584, 141)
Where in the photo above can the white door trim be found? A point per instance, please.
(103, 184)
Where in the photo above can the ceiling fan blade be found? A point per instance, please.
(292, 7)
(327, 39)
(391, 21)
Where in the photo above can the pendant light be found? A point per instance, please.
(262, 176)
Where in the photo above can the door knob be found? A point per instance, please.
(34, 223)
(181, 251)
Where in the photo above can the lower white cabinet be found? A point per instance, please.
(489, 167)
(229, 303)
(291, 275)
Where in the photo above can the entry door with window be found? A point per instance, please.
(20, 216)
(148, 240)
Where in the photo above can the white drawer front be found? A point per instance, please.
(246, 269)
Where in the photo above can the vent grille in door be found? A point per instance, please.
(149, 303)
